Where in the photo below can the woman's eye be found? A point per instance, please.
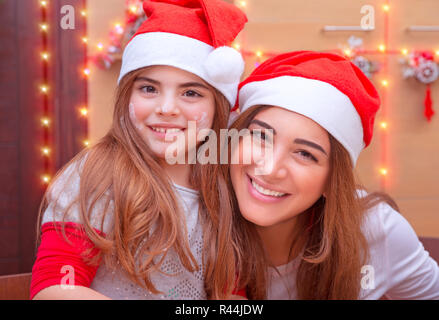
(261, 135)
(307, 155)
(191, 93)
(148, 89)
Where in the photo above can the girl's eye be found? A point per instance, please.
(148, 89)
(192, 93)
(307, 155)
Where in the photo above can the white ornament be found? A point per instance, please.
(355, 42)
(427, 71)
(408, 72)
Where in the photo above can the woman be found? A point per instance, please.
(308, 230)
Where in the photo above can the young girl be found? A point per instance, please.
(308, 231)
(121, 220)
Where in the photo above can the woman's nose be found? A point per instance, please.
(270, 162)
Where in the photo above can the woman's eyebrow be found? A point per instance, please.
(310, 144)
(262, 124)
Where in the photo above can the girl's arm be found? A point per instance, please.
(60, 271)
(57, 292)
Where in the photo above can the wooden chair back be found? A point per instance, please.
(15, 287)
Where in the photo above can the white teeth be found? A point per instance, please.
(266, 191)
(166, 130)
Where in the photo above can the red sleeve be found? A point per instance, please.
(240, 292)
(57, 260)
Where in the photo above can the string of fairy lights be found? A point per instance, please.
(45, 90)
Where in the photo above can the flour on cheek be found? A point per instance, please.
(203, 125)
(139, 126)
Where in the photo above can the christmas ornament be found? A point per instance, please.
(353, 49)
(422, 66)
(120, 34)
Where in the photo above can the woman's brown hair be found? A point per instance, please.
(145, 206)
(328, 238)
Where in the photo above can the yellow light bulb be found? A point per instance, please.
(348, 52)
(83, 111)
(386, 8)
(45, 178)
(382, 48)
(383, 125)
(100, 46)
(43, 3)
(83, 13)
(385, 83)
(404, 51)
(46, 151)
(237, 46)
(383, 171)
(133, 9)
(84, 39)
(86, 72)
(44, 27)
(86, 143)
(243, 4)
(437, 52)
(44, 89)
(45, 122)
(259, 54)
(45, 56)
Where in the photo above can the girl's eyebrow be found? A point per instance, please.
(193, 84)
(310, 144)
(183, 85)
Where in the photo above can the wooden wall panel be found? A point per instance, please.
(21, 134)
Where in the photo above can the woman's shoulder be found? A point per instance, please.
(385, 226)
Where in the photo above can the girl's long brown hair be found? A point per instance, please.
(145, 206)
(328, 237)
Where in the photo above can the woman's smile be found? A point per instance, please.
(264, 194)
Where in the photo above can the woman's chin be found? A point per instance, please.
(260, 219)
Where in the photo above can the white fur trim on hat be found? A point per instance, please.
(317, 100)
(221, 68)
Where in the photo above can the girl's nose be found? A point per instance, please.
(168, 107)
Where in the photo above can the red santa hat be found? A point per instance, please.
(324, 87)
(192, 35)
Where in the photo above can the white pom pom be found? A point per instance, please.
(224, 65)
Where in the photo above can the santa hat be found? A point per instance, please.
(192, 35)
(324, 87)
